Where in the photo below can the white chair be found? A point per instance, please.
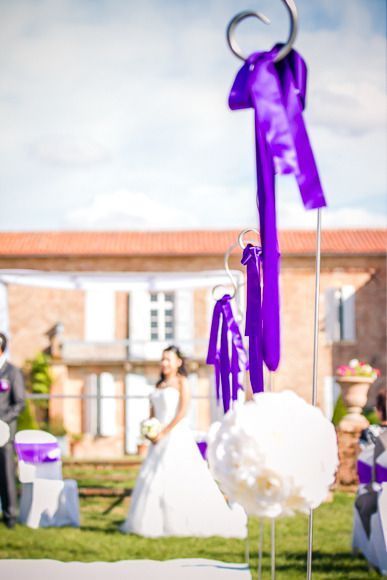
(370, 510)
(46, 500)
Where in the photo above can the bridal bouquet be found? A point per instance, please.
(150, 428)
(4, 433)
(275, 455)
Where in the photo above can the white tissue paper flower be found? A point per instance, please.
(275, 456)
(150, 427)
(4, 433)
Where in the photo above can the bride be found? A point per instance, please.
(175, 494)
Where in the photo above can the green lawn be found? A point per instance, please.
(99, 539)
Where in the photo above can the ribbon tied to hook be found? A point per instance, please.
(276, 91)
(219, 352)
(251, 258)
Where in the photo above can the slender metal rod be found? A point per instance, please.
(315, 368)
(247, 545)
(272, 523)
(260, 549)
(272, 555)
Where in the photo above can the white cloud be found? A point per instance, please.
(128, 210)
(66, 150)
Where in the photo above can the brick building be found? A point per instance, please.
(121, 297)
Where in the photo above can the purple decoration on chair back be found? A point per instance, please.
(4, 385)
(380, 473)
(276, 92)
(38, 452)
(219, 355)
(364, 472)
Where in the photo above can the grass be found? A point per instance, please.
(98, 539)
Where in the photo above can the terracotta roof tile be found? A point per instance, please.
(199, 242)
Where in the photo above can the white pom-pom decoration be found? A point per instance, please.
(276, 455)
(4, 433)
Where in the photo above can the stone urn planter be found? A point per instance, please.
(354, 391)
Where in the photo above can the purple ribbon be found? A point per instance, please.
(38, 452)
(4, 385)
(219, 352)
(380, 473)
(364, 472)
(251, 258)
(276, 92)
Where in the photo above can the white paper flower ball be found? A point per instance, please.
(276, 455)
(4, 433)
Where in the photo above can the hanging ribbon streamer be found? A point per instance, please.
(276, 92)
(219, 352)
(252, 258)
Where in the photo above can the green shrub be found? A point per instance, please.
(339, 412)
(27, 419)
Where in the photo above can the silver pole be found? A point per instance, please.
(247, 546)
(260, 547)
(315, 366)
(273, 549)
(272, 535)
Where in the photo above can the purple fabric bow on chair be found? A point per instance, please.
(219, 352)
(276, 92)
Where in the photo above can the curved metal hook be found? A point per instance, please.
(226, 291)
(241, 241)
(284, 51)
(229, 274)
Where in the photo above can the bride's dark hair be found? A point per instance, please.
(182, 370)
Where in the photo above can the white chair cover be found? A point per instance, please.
(46, 500)
(370, 510)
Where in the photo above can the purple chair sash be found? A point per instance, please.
(219, 355)
(4, 385)
(380, 473)
(276, 92)
(38, 452)
(364, 471)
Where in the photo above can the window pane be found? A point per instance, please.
(154, 312)
(153, 297)
(154, 336)
(154, 324)
(168, 312)
(169, 324)
(169, 336)
(169, 297)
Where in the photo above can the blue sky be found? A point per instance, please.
(114, 114)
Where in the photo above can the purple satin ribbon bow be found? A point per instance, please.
(276, 92)
(251, 258)
(38, 452)
(219, 355)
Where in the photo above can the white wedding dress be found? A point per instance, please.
(175, 494)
